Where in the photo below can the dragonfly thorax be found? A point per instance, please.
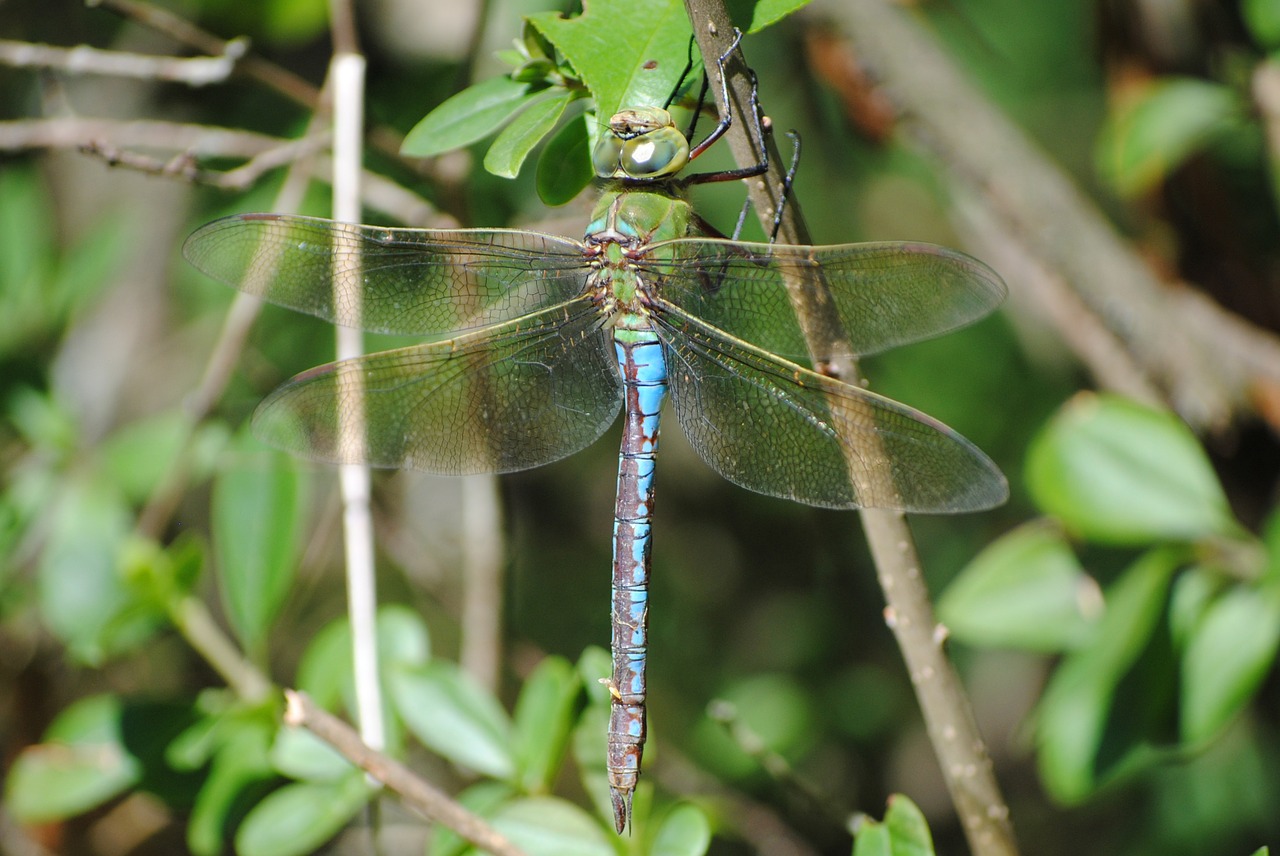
(641, 144)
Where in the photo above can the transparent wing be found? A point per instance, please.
(411, 281)
(505, 398)
(780, 429)
(886, 294)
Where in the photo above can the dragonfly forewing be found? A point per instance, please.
(886, 294)
(777, 428)
(411, 281)
(502, 399)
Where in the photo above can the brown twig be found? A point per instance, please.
(947, 712)
(417, 793)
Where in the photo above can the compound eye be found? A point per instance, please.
(656, 154)
(606, 157)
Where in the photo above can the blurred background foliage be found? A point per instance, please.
(1119, 652)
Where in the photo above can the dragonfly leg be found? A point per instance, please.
(787, 181)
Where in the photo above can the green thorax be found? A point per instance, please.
(641, 215)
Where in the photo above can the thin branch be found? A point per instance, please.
(184, 32)
(198, 627)
(385, 139)
(112, 140)
(480, 651)
(947, 712)
(70, 132)
(82, 59)
(418, 794)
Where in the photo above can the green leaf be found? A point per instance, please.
(1271, 545)
(1228, 654)
(1120, 473)
(544, 717)
(1262, 17)
(1026, 590)
(752, 16)
(564, 168)
(589, 737)
(508, 152)
(299, 754)
(471, 115)
(240, 763)
(325, 670)
(454, 717)
(547, 826)
(81, 764)
(872, 839)
(483, 799)
(685, 831)
(83, 596)
(1080, 699)
(904, 832)
(257, 517)
(774, 710)
(294, 22)
(1172, 120)
(908, 830)
(635, 64)
(300, 817)
(142, 453)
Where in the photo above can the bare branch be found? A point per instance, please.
(194, 71)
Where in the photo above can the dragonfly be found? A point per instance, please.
(534, 342)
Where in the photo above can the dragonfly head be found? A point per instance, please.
(642, 144)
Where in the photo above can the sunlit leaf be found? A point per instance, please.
(639, 70)
(454, 717)
(299, 817)
(471, 115)
(1025, 590)
(1228, 654)
(1117, 472)
(1152, 136)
